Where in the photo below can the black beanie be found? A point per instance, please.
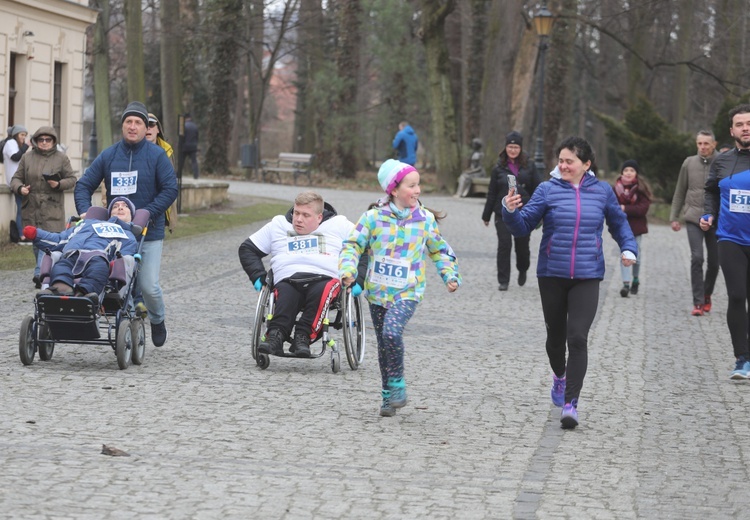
(514, 138)
(632, 164)
(138, 109)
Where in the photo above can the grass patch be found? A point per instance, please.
(14, 257)
(219, 219)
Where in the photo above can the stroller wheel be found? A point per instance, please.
(45, 349)
(138, 338)
(124, 345)
(26, 346)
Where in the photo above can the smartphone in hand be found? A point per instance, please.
(512, 183)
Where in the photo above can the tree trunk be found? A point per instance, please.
(639, 39)
(225, 21)
(101, 78)
(255, 67)
(344, 162)
(190, 44)
(309, 60)
(475, 70)
(557, 88)
(171, 81)
(446, 145)
(684, 50)
(508, 76)
(134, 39)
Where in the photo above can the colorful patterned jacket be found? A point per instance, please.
(396, 248)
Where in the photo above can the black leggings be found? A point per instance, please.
(735, 262)
(569, 308)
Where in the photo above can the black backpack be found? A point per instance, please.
(2, 147)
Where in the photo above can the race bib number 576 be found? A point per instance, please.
(124, 183)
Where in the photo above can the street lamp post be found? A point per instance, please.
(543, 21)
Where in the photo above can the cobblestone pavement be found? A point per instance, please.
(663, 430)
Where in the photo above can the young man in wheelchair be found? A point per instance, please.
(304, 246)
(87, 249)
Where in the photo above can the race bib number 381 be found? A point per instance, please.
(124, 183)
(303, 245)
(390, 272)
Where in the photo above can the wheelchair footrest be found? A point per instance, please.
(69, 317)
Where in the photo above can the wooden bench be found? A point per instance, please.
(295, 163)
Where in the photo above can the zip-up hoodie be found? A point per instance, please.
(728, 196)
(574, 219)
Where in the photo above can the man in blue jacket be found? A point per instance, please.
(141, 171)
(406, 143)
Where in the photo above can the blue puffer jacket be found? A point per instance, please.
(109, 236)
(153, 188)
(574, 218)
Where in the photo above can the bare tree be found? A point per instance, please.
(101, 76)
(344, 160)
(225, 22)
(475, 69)
(309, 60)
(134, 39)
(171, 60)
(444, 128)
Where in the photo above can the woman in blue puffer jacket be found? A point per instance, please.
(573, 206)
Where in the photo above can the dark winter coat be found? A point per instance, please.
(526, 182)
(44, 206)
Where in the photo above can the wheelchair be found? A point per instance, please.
(349, 318)
(78, 320)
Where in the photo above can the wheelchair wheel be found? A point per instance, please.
(138, 337)
(354, 330)
(335, 362)
(263, 360)
(259, 324)
(124, 345)
(45, 349)
(26, 343)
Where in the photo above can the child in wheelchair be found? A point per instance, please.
(304, 246)
(87, 250)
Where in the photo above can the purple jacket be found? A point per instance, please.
(574, 218)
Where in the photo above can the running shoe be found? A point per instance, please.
(741, 369)
(707, 303)
(158, 334)
(697, 311)
(625, 290)
(386, 410)
(634, 287)
(398, 392)
(558, 390)
(569, 416)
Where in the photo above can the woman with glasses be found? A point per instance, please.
(42, 176)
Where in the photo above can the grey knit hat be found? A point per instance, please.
(138, 109)
(16, 129)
